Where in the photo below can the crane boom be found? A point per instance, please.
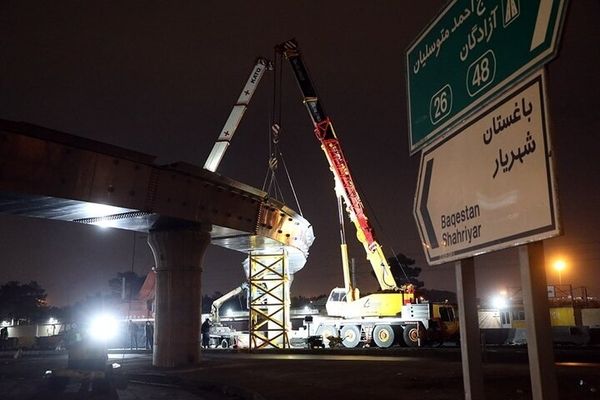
(217, 303)
(220, 146)
(344, 184)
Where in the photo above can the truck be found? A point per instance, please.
(222, 336)
(393, 314)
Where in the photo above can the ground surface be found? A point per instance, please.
(366, 374)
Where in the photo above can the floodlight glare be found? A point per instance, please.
(499, 302)
(103, 327)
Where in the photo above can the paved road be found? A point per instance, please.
(434, 374)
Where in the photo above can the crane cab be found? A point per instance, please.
(337, 303)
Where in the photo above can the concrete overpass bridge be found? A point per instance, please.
(183, 208)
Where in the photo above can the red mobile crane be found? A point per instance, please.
(381, 315)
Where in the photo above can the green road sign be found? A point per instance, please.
(472, 51)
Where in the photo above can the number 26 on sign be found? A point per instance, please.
(440, 104)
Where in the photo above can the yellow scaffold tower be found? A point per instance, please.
(269, 301)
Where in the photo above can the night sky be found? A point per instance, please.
(161, 77)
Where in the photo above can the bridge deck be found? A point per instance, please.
(55, 175)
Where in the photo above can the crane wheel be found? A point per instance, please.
(350, 335)
(383, 336)
(326, 332)
(411, 335)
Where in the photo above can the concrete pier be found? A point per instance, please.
(178, 253)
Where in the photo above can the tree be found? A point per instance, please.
(25, 302)
(403, 268)
(303, 301)
(299, 301)
(133, 284)
(403, 271)
(401, 265)
(91, 305)
(437, 296)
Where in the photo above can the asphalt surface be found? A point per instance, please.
(321, 374)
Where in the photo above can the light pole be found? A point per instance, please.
(559, 266)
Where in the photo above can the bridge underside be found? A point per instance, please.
(128, 219)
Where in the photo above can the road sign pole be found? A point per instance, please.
(537, 318)
(470, 345)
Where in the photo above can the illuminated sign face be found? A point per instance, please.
(491, 184)
(471, 52)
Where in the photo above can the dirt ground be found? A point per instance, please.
(377, 376)
(425, 374)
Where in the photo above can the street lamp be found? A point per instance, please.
(559, 266)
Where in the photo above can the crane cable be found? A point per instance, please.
(273, 188)
(275, 154)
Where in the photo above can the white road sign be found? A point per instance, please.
(490, 184)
